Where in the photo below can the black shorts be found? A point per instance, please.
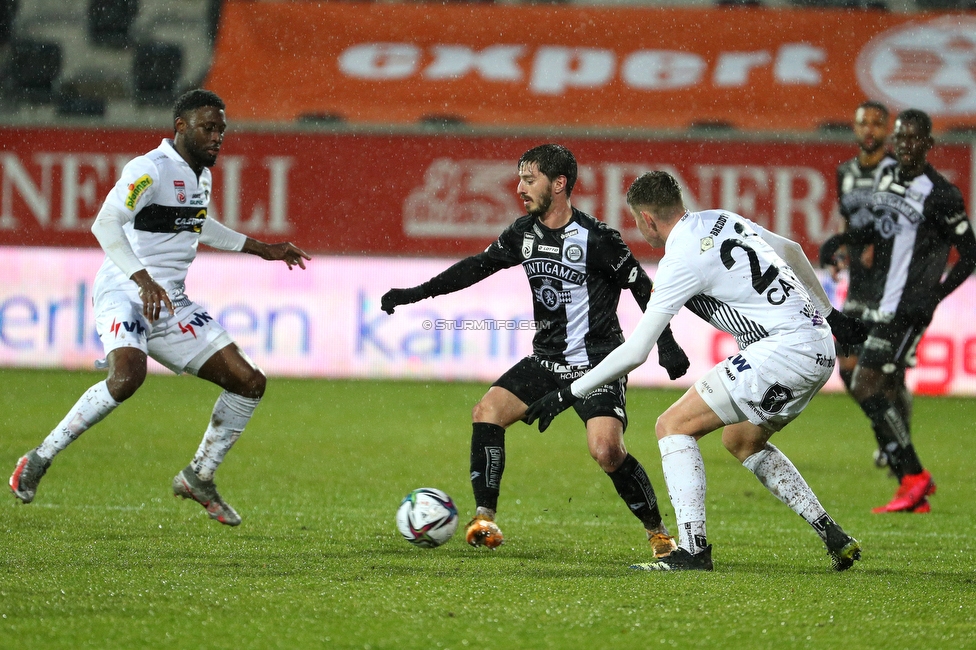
(890, 347)
(531, 379)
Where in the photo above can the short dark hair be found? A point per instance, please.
(554, 160)
(920, 119)
(656, 189)
(876, 105)
(197, 98)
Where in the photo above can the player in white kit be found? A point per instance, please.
(149, 226)
(760, 288)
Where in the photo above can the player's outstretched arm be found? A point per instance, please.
(847, 330)
(287, 252)
(396, 297)
(458, 276)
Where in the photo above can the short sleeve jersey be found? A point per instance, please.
(917, 221)
(576, 274)
(166, 204)
(855, 185)
(716, 264)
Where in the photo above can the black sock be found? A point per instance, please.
(635, 489)
(893, 435)
(846, 376)
(487, 463)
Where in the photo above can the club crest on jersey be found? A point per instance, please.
(180, 188)
(527, 240)
(707, 243)
(551, 297)
(574, 253)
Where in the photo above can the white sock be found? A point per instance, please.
(684, 474)
(775, 471)
(231, 414)
(90, 409)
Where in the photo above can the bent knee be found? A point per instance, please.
(122, 387)
(255, 384)
(608, 457)
(662, 426)
(483, 411)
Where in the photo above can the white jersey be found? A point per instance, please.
(717, 264)
(166, 205)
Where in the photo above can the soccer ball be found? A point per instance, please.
(427, 517)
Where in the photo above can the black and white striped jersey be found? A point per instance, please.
(917, 221)
(576, 274)
(855, 185)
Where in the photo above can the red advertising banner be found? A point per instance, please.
(421, 195)
(545, 65)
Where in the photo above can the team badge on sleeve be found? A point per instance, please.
(180, 188)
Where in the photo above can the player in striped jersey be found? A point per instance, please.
(149, 226)
(918, 217)
(761, 289)
(577, 267)
(855, 184)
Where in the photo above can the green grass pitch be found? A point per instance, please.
(105, 557)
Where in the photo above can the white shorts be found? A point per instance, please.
(769, 383)
(182, 341)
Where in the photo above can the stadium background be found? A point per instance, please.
(382, 138)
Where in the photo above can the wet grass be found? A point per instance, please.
(106, 558)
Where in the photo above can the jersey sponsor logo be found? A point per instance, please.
(199, 320)
(549, 249)
(616, 267)
(527, 241)
(569, 233)
(574, 253)
(180, 188)
(132, 327)
(825, 362)
(740, 363)
(136, 190)
(170, 218)
(552, 269)
(573, 375)
(775, 398)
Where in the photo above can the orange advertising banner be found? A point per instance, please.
(581, 67)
